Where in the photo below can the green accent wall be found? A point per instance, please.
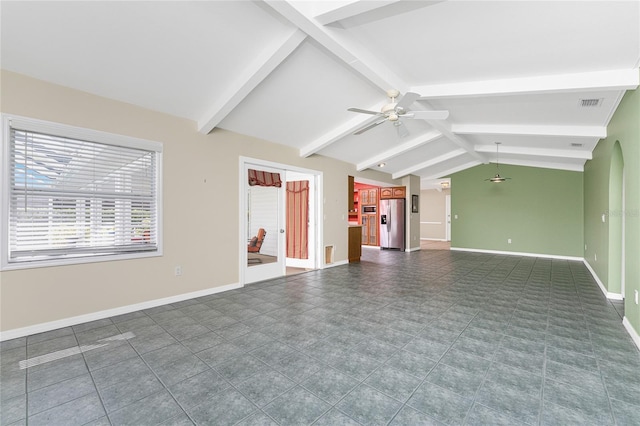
(540, 210)
(602, 196)
(596, 232)
(614, 215)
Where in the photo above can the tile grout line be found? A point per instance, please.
(438, 363)
(84, 359)
(486, 373)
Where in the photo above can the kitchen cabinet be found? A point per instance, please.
(370, 229)
(393, 192)
(368, 202)
(369, 197)
(355, 247)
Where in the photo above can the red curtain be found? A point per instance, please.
(297, 219)
(260, 178)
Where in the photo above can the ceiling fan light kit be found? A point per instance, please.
(394, 111)
(497, 178)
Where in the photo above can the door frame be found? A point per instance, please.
(447, 217)
(244, 163)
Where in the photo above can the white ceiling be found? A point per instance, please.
(286, 71)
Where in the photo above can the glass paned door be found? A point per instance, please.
(265, 257)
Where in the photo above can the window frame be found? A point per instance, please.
(73, 132)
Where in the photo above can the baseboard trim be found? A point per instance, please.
(66, 322)
(595, 277)
(607, 294)
(409, 250)
(516, 253)
(434, 239)
(334, 264)
(632, 332)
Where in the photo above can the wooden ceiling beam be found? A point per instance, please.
(451, 170)
(347, 50)
(599, 132)
(336, 134)
(623, 79)
(577, 154)
(349, 9)
(249, 80)
(399, 149)
(431, 162)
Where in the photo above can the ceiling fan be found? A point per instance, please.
(397, 109)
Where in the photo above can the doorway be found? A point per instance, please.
(265, 232)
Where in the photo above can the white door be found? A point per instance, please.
(447, 212)
(264, 209)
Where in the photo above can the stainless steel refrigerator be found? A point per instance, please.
(392, 219)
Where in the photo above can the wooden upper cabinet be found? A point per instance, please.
(368, 197)
(399, 192)
(393, 192)
(373, 196)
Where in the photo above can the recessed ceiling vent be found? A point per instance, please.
(590, 103)
(576, 145)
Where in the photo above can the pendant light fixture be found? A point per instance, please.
(497, 178)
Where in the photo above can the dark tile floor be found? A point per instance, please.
(431, 337)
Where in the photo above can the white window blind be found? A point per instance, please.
(74, 198)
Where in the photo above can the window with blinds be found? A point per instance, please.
(71, 198)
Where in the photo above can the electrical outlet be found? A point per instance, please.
(509, 241)
(178, 271)
(636, 295)
(595, 257)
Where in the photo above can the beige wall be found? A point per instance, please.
(432, 209)
(412, 183)
(200, 191)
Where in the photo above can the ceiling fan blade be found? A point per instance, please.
(364, 111)
(408, 99)
(369, 127)
(401, 129)
(428, 115)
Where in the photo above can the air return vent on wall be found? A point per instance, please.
(590, 103)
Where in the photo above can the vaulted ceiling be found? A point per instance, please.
(542, 78)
